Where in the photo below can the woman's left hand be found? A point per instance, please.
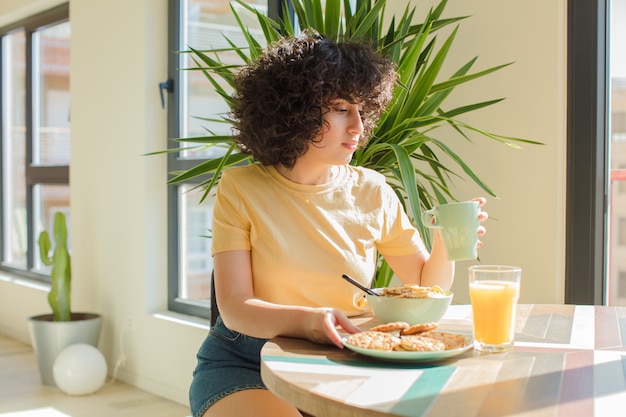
(482, 216)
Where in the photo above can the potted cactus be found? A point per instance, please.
(51, 333)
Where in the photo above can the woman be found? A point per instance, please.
(287, 227)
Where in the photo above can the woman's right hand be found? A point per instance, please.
(321, 326)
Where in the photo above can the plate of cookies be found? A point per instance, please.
(399, 341)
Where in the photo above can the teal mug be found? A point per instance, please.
(459, 225)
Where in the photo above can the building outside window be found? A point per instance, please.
(622, 284)
(617, 183)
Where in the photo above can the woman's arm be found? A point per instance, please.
(244, 313)
(424, 269)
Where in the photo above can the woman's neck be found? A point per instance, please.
(303, 174)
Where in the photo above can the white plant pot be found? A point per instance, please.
(50, 337)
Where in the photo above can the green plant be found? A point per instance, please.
(409, 145)
(61, 275)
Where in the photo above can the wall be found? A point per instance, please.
(529, 217)
(118, 197)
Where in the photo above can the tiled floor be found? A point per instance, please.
(23, 395)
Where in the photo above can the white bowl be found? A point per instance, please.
(410, 310)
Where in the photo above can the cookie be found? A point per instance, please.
(373, 340)
(417, 343)
(450, 340)
(388, 327)
(419, 328)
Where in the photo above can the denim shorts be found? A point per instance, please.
(228, 362)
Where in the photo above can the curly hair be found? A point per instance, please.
(280, 99)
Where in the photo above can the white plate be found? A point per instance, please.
(403, 356)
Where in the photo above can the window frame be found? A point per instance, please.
(174, 117)
(587, 152)
(35, 174)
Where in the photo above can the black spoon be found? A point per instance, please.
(358, 284)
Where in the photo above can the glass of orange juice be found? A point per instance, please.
(494, 291)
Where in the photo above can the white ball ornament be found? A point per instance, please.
(80, 369)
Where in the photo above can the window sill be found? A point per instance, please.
(183, 319)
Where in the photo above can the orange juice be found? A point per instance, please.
(493, 307)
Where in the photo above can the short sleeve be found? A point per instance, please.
(231, 225)
(399, 236)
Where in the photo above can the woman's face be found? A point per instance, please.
(340, 135)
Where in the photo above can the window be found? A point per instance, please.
(35, 135)
(200, 24)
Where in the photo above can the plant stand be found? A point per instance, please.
(50, 337)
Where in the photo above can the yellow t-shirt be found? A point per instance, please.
(302, 238)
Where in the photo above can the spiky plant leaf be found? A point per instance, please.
(408, 145)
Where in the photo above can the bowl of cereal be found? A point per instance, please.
(409, 303)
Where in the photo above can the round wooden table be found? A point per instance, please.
(568, 361)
